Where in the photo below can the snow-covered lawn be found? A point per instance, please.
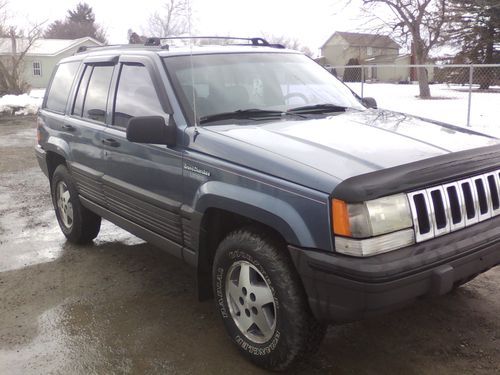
(26, 104)
(449, 104)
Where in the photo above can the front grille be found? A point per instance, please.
(446, 208)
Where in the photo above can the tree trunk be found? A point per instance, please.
(423, 83)
(486, 74)
(422, 75)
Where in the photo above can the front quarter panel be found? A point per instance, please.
(299, 214)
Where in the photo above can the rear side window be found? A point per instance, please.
(94, 107)
(60, 86)
(135, 96)
(80, 93)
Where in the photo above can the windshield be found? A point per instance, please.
(224, 83)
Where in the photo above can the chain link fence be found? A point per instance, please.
(463, 95)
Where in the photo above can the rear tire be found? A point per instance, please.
(77, 223)
(253, 277)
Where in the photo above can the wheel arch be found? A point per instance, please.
(54, 159)
(220, 213)
(57, 153)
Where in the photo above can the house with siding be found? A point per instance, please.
(42, 56)
(367, 49)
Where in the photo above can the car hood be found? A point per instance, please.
(319, 153)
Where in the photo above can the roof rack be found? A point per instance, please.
(82, 49)
(156, 42)
(253, 41)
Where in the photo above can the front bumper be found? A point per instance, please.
(41, 157)
(342, 288)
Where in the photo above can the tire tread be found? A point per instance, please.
(308, 332)
(86, 224)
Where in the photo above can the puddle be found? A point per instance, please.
(46, 242)
(65, 344)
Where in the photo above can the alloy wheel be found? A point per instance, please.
(251, 302)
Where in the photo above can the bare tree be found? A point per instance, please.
(11, 80)
(173, 20)
(3, 18)
(17, 43)
(421, 22)
(288, 42)
(134, 38)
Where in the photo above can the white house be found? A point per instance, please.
(43, 56)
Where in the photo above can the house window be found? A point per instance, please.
(37, 68)
(369, 51)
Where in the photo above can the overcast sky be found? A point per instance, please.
(311, 22)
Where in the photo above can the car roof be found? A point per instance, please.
(142, 50)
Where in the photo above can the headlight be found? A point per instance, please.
(376, 221)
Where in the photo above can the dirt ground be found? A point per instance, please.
(121, 306)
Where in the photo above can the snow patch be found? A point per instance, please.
(25, 104)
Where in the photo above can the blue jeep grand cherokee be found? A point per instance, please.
(296, 203)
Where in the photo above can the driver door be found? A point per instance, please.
(142, 182)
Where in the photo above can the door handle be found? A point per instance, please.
(69, 128)
(111, 142)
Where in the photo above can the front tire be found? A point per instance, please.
(77, 223)
(262, 302)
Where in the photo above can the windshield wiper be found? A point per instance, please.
(241, 114)
(318, 108)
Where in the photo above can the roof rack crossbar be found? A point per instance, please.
(253, 41)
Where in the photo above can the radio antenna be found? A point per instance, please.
(192, 73)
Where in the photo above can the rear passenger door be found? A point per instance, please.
(142, 182)
(85, 125)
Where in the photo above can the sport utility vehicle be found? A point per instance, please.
(297, 204)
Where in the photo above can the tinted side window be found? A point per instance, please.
(60, 86)
(135, 96)
(80, 93)
(96, 99)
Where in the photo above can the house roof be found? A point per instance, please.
(45, 47)
(365, 40)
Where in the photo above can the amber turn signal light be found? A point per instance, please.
(340, 218)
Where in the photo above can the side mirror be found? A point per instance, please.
(151, 129)
(370, 102)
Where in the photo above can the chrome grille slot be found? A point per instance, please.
(470, 202)
(439, 210)
(494, 185)
(483, 197)
(446, 208)
(456, 205)
(422, 221)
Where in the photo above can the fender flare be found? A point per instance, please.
(57, 146)
(257, 206)
(253, 204)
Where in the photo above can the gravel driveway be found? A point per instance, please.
(122, 306)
